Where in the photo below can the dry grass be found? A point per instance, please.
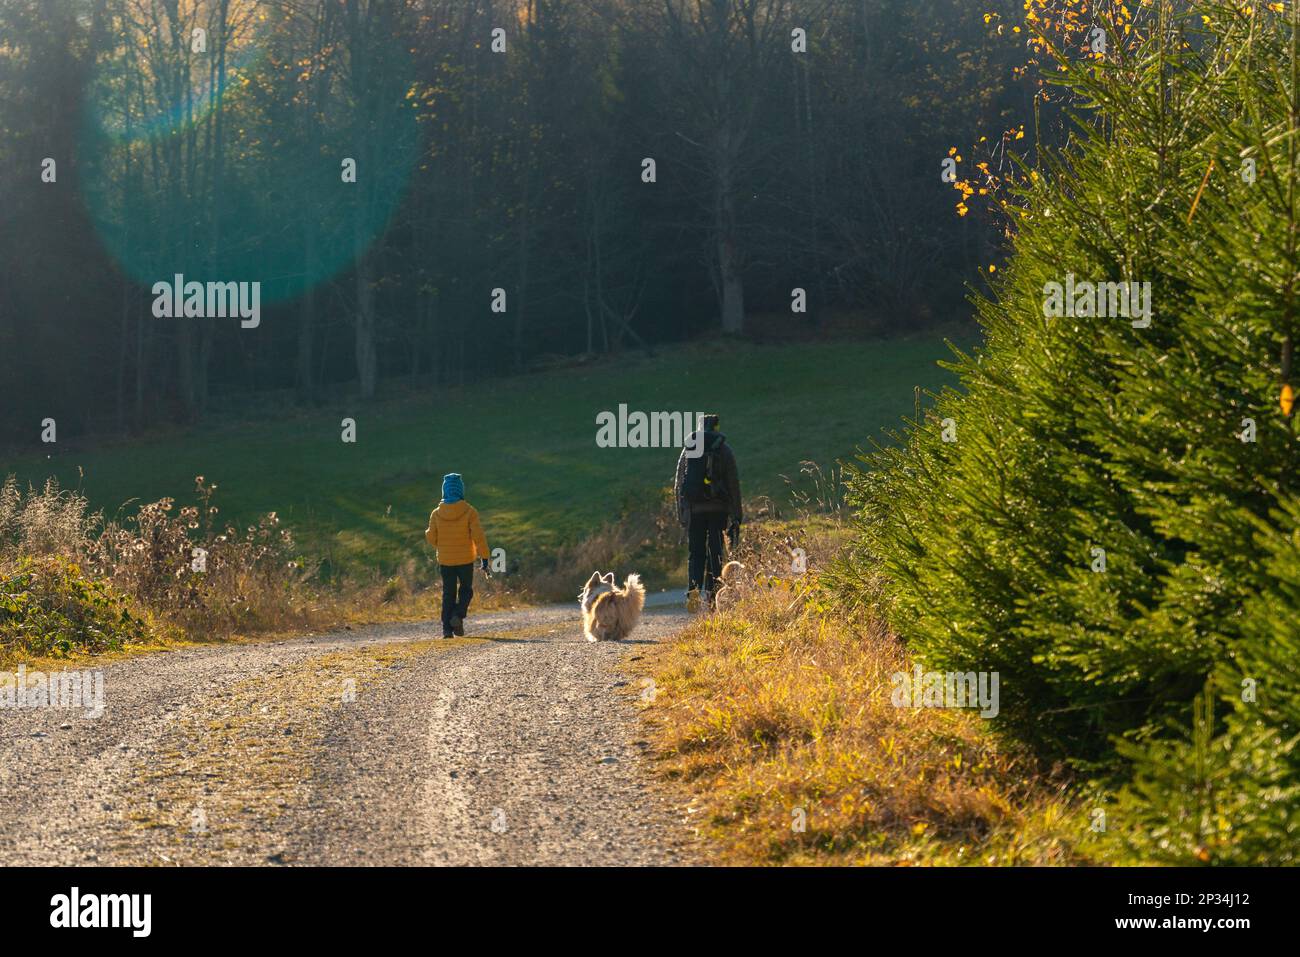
(778, 712)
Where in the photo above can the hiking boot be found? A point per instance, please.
(458, 626)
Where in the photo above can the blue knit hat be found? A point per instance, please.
(453, 488)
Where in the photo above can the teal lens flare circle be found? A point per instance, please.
(274, 207)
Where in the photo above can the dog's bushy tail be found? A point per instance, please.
(635, 590)
(731, 571)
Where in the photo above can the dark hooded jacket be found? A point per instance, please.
(724, 467)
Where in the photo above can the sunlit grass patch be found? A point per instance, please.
(778, 718)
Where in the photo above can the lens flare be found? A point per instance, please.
(272, 204)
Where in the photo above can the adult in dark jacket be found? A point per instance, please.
(707, 492)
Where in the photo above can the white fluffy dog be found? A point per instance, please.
(609, 613)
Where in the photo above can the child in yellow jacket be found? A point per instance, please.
(455, 532)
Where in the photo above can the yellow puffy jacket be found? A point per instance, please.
(455, 532)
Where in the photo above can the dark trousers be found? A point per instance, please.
(457, 590)
(704, 535)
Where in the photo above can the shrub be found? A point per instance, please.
(209, 579)
(49, 607)
(193, 574)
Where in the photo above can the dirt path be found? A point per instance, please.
(381, 746)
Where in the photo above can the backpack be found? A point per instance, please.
(704, 478)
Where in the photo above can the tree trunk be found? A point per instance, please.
(306, 372)
(365, 328)
(521, 294)
(367, 363)
(730, 283)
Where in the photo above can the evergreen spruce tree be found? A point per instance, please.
(1116, 520)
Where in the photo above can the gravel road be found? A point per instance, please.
(516, 745)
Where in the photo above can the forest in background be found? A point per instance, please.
(476, 170)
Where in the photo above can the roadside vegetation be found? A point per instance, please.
(775, 716)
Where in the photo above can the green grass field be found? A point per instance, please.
(526, 446)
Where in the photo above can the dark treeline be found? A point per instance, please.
(497, 145)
